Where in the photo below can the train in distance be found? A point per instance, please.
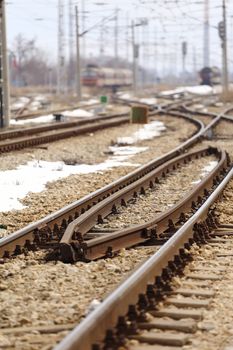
(94, 76)
(210, 76)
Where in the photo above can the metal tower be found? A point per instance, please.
(4, 82)
(61, 74)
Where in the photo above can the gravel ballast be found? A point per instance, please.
(88, 149)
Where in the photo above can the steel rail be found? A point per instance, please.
(56, 125)
(217, 118)
(24, 137)
(93, 328)
(159, 107)
(52, 111)
(7, 134)
(185, 108)
(9, 145)
(58, 221)
(210, 114)
(84, 223)
(73, 248)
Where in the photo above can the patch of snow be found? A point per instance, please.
(77, 113)
(199, 90)
(20, 103)
(43, 119)
(206, 170)
(92, 101)
(125, 96)
(40, 98)
(194, 90)
(148, 132)
(32, 177)
(209, 167)
(176, 91)
(149, 101)
(126, 150)
(81, 113)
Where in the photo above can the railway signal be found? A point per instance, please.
(221, 30)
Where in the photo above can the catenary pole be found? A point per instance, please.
(206, 43)
(4, 75)
(78, 66)
(224, 54)
(134, 59)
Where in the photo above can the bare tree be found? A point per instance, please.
(30, 64)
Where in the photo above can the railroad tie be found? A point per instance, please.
(214, 269)
(186, 326)
(188, 302)
(171, 326)
(194, 292)
(153, 347)
(202, 276)
(177, 313)
(153, 337)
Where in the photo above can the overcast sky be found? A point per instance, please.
(169, 23)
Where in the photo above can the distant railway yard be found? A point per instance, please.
(116, 233)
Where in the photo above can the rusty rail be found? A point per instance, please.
(52, 111)
(56, 223)
(55, 126)
(92, 330)
(28, 137)
(23, 142)
(72, 245)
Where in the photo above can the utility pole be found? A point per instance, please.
(61, 74)
(194, 61)
(116, 39)
(4, 76)
(71, 40)
(184, 53)
(78, 67)
(145, 40)
(156, 54)
(206, 47)
(224, 53)
(164, 57)
(101, 40)
(135, 56)
(83, 30)
(127, 34)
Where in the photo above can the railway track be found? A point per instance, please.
(19, 139)
(57, 222)
(20, 115)
(131, 317)
(41, 231)
(9, 134)
(73, 247)
(55, 225)
(27, 137)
